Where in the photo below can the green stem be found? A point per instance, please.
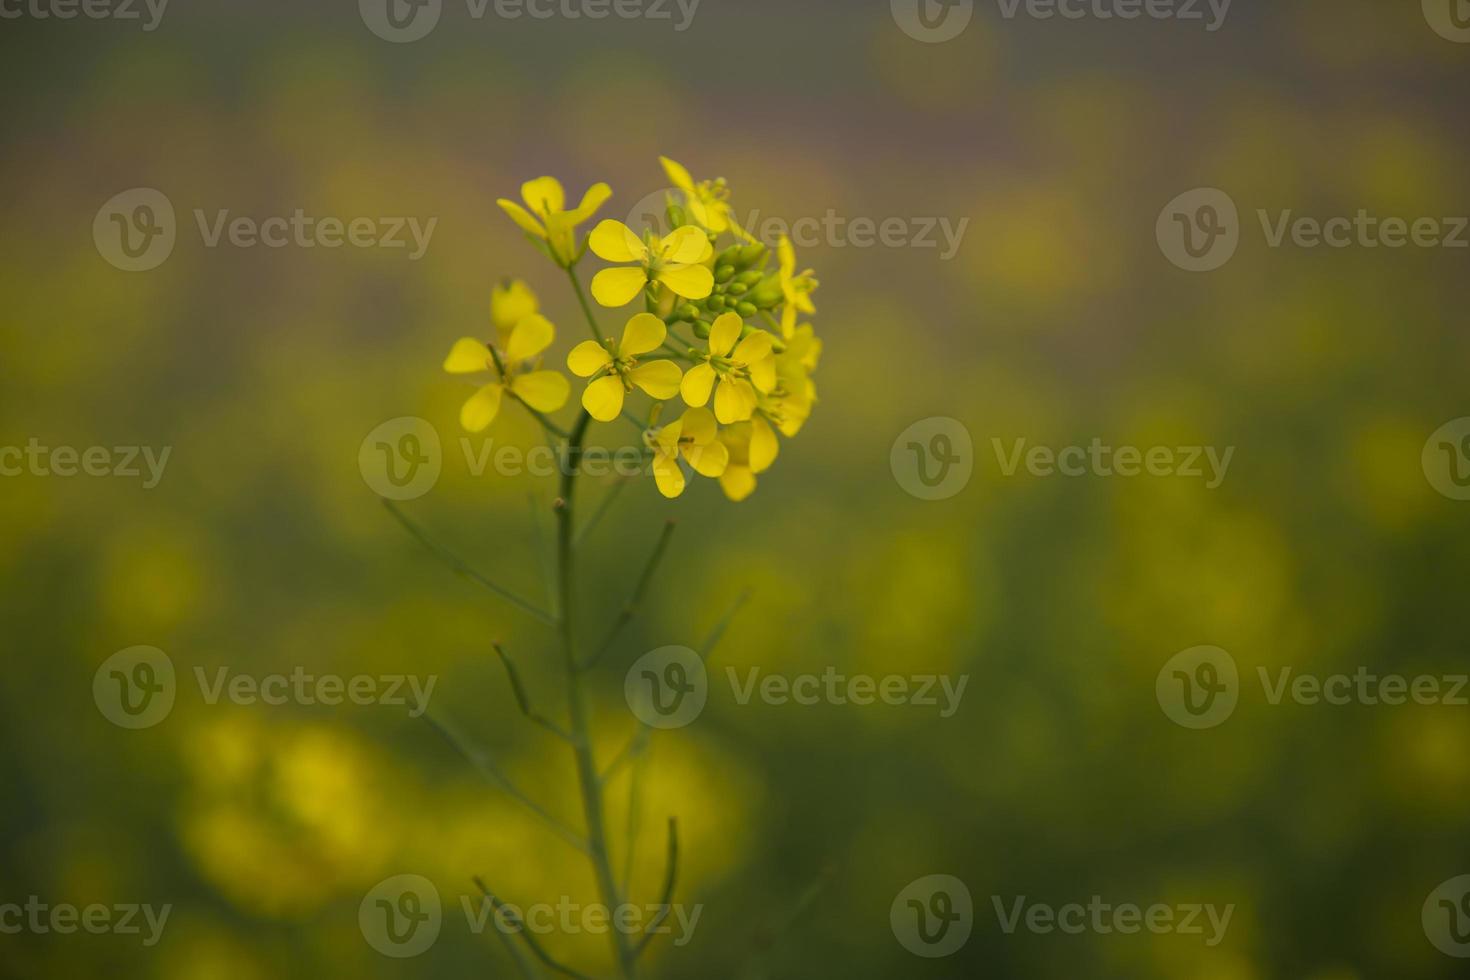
(586, 309)
(577, 708)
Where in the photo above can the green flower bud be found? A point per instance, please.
(730, 256)
(752, 254)
(750, 278)
(688, 312)
(716, 303)
(677, 217)
(746, 309)
(768, 294)
(702, 329)
(724, 273)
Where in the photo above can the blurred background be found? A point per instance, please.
(1057, 320)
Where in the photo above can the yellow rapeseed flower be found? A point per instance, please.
(742, 369)
(545, 391)
(511, 302)
(708, 201)
(675, 261)
(693, 436)
(547, 218)
(615, 369)
(796, 286)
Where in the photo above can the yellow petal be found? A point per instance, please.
(587, 358)
(544, 195)
(545, 391)
(616, 242)
(519, 215)
(787, 255)
(699, 426)
(668, 437)
(603, 398)
(709, 460)
(734, 400)
(529, 337)
(481, 409)
(686, 246)
(617, 287)
(763, 374)
(697, 384)
(689, 281)
(510, 303)
(659, 378)
(645, 332)
(753, 348)
(595, 198)
(467, 356)
(763, 445)
(678, 175)
(738, 482)
(725, 333)
(667, 475)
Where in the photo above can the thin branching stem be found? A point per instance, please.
(603, 506)
(523, 700)
(631, 609)
(586, 308)
(457, 565)
(628, 753)
(671, 879)
(481, 762)
(536, 949)
(577, 707)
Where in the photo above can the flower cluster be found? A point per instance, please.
(722, 328)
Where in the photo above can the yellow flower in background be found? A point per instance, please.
(708, 202)
(547, 218)
(544, 391)
(796, 287)
(511, 302)
(617, 371)
(735, 369)
(752, 449)
(695, 437)
(674, 261)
